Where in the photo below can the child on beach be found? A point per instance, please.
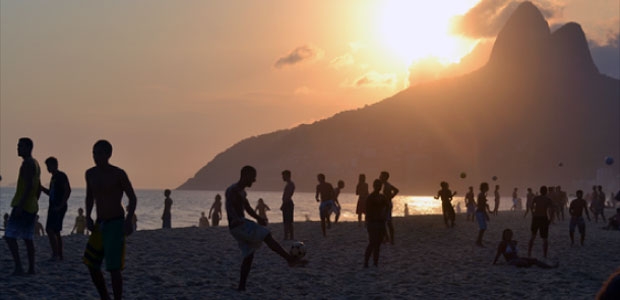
(261, 209)
(576, 209)
(80, 223)
(508, 248)
(215, 213)
(203, 222)
(446, 203)
(482, 211)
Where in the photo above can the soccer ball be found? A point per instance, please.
(609, 160)
(463, 174)
(494, 178)
(298, 250)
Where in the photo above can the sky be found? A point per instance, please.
(173, 83)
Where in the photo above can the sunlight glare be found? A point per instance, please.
(417, 29)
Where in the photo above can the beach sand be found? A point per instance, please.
(428, 261)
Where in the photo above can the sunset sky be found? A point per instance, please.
(173, 83)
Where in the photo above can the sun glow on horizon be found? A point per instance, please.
(415, 30)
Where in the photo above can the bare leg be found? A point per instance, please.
(245, 271)
(323, 226)
(12, 243)
(60, 246)
(52, 237)
(479, 240)
(30, 251)
(117, 284)
(97, 277)
(530, 245)
(275, 247)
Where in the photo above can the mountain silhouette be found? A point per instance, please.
(538, 112)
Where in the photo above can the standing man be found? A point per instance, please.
(389, 191)
(528, 202)
(24, 206)
(248, 234)
(377, 206)
(541, 216)
(324, 194)
(576, 209)
(105, 186)
(497, 198)
(58, 193)
(288, 206)
(166, 217)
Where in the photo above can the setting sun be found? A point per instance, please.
(415, 30)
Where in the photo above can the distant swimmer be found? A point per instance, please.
(261, 209)
(203, 222)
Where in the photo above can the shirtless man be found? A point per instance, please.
(105, 186)
(390, 192)
(325, 195)
(576, 209)
(541, 206)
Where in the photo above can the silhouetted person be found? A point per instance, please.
(362, 193)
(203, 222)
(261, 209)
(555, 204)
(215, 213)
(541, 206)
(25, 206)
(508, 248)
(406, 210)
(248, 234)
(288, 206)
(601, 203)
(167, 215)
(446, 203)
(528, 201)
(390, 192)
(614, 221)
(470, 204)
(324, 195)
(337, 207)
(515, 199)
(497, 199)
(377, 207)
(482, 210)
(58, 193)
(576, 209)
(563, 202)
(80, 222)
(105, 186)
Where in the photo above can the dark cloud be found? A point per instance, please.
(374, 79)
(298, 55)
(487, 18)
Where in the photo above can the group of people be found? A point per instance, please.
(106, 185)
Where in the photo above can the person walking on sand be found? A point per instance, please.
(508, 248)
(21, 224)
(482, 210)
(377, 206)
(58, 193)
(576, 209)
(215, 213)
(541, 206)
(497, 198)
(390, 192)
(261, 209)
(528, 201)
(362, 193)
(470, 204)
(324, 195)
(80, 223)
(105, 186)
(249, 234)
(337, 207)
(446, 196)
(288, 206)
(167, 215)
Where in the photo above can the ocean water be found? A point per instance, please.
(187, 206)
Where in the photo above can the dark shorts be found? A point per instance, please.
(21, 227)
(287, 212)
(542, 224)
(55, 218)
(107, 242)
(482, 220)
(577, 222)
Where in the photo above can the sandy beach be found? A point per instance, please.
(428, 261)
